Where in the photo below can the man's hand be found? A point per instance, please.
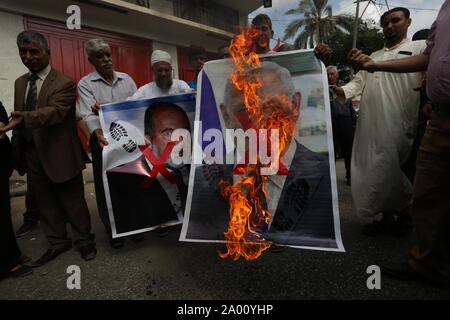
(100, 138)
(322, 51)
(339, 92)
(95, 108)
(361, 61)
(16, 121)
(427, 109)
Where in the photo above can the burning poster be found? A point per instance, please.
(263, 170)
(144, 188)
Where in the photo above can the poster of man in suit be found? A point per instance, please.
(144, 188)
(302, 202)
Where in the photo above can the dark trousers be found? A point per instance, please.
(343, 133)
(31, 214)
(431, 201)
(58, 204)
(97, 168)
(9, 250)
(409, 167)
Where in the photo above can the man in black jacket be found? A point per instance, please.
(11, 259)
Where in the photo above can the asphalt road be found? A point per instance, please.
(164, 268)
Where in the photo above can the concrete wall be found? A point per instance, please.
(11, 66)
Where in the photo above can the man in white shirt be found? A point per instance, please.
(101, 86)
(385, 130)
(163, 83)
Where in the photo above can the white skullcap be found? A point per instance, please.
(159, 55)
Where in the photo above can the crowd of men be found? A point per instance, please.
(376, 147)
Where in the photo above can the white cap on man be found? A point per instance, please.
(159, 55)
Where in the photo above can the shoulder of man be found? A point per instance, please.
(420, 46)
(124, 75)
(375, 53)
(146, 86)
(180, 82)
(22, 78)
(183, 86)
(61, 78)
(86, 78)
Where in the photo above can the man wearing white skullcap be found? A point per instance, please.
(163, 83)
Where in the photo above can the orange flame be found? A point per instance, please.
(247, 197)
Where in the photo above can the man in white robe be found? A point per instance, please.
(385, 130)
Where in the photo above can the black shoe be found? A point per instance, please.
(117, 243)
(136, 238)
(49, 255)
(20, 272)
(88, 252)
(26, 228)
(162, 231)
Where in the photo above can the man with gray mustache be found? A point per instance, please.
(104, 85)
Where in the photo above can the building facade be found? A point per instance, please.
(134, 28)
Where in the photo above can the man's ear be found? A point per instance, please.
(297, 100)
(148, 141)
(409, 22)
(271, 33)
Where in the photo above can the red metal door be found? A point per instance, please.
(67, 50)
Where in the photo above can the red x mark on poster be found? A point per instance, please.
(158, 163)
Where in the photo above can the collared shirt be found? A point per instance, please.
(438, 47)
(275, 183)
(391, 94)
(42, 75)
(93, 88)
(151, 90)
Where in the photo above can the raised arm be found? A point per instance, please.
(361, 61)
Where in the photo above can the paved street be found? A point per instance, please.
(164, 268)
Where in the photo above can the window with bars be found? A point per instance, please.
(207, 12)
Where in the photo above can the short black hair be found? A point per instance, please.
(262, 18)
(421, 35)
(194, 51)
(152, 109)
(404, 10)
(33, 37)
